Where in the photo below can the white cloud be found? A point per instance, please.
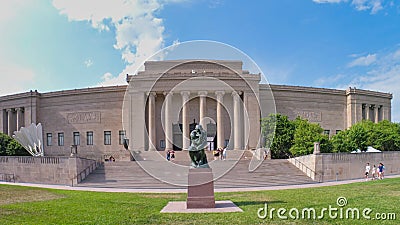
(360, 5)
(328, 81)
(12, 9)
(363, 60)
(88, 63)
(138, 32)
(329, 1)
(373, 5)
(14, 78)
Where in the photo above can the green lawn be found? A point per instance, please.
(26, 205)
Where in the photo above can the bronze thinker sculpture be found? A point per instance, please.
(196, 149)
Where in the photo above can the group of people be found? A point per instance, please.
(170, 155)
(219, 153)
(376, 172)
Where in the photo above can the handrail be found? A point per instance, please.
(95, 164)
(7, 177)
(305, 166)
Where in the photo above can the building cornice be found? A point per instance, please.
(119, 88)
(28, 94)
(275, 87)
(351, 91)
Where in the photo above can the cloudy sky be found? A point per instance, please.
(64, 44)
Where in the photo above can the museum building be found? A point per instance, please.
(160, 105)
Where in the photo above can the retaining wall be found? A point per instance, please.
(45, 170)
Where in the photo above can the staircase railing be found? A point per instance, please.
(84, 173)
(307, 170)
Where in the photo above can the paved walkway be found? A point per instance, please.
(184, 190)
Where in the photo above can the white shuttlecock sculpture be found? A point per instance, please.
(31, 139)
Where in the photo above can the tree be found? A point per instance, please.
(10, 147)
(341, 142)
(305, 135)
(386, 136)
(278, 133)
(359, 135)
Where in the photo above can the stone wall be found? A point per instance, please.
(45, 170)
(345, 166)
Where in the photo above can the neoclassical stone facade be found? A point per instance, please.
(162, 104)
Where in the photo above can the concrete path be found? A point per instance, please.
(184, 190)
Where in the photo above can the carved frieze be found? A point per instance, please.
(311, 116)
(84, 117)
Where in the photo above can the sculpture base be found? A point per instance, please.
(200, 189)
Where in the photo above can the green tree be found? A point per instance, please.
(359, 135)
(10, 147)
(341, 142)
(305, 135)
(385, 136)
(278, 133)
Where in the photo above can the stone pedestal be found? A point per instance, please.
(200, 189)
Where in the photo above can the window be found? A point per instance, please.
(61, 139)
(89, 138)
(122, 135)
(162, 144)
(326, 132)
(49, 136)
(337, 131)
(107, 137)
(77, 138)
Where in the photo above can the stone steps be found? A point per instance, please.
(131, 175)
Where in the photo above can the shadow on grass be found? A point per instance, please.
(246, 203)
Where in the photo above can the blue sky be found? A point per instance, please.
(65, 44)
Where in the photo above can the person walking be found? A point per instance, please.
(373, 172)
(216, 154)
(168, 155)
(224, 153)
(367, 169)
(380, 169)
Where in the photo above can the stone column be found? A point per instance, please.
(367, 112)
(168, 121)
(137, 125)
(237, 145)
(185, 120)
(20, 118)
(376, 111)
(9, 122)
(220, 119)
(152, 121)
(2, 121)
(203, 108)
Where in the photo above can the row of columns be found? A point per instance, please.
(185, 119)
(13, 123)
(376, 112)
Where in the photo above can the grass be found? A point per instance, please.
(26, 205)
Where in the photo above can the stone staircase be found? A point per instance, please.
(130, 175)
